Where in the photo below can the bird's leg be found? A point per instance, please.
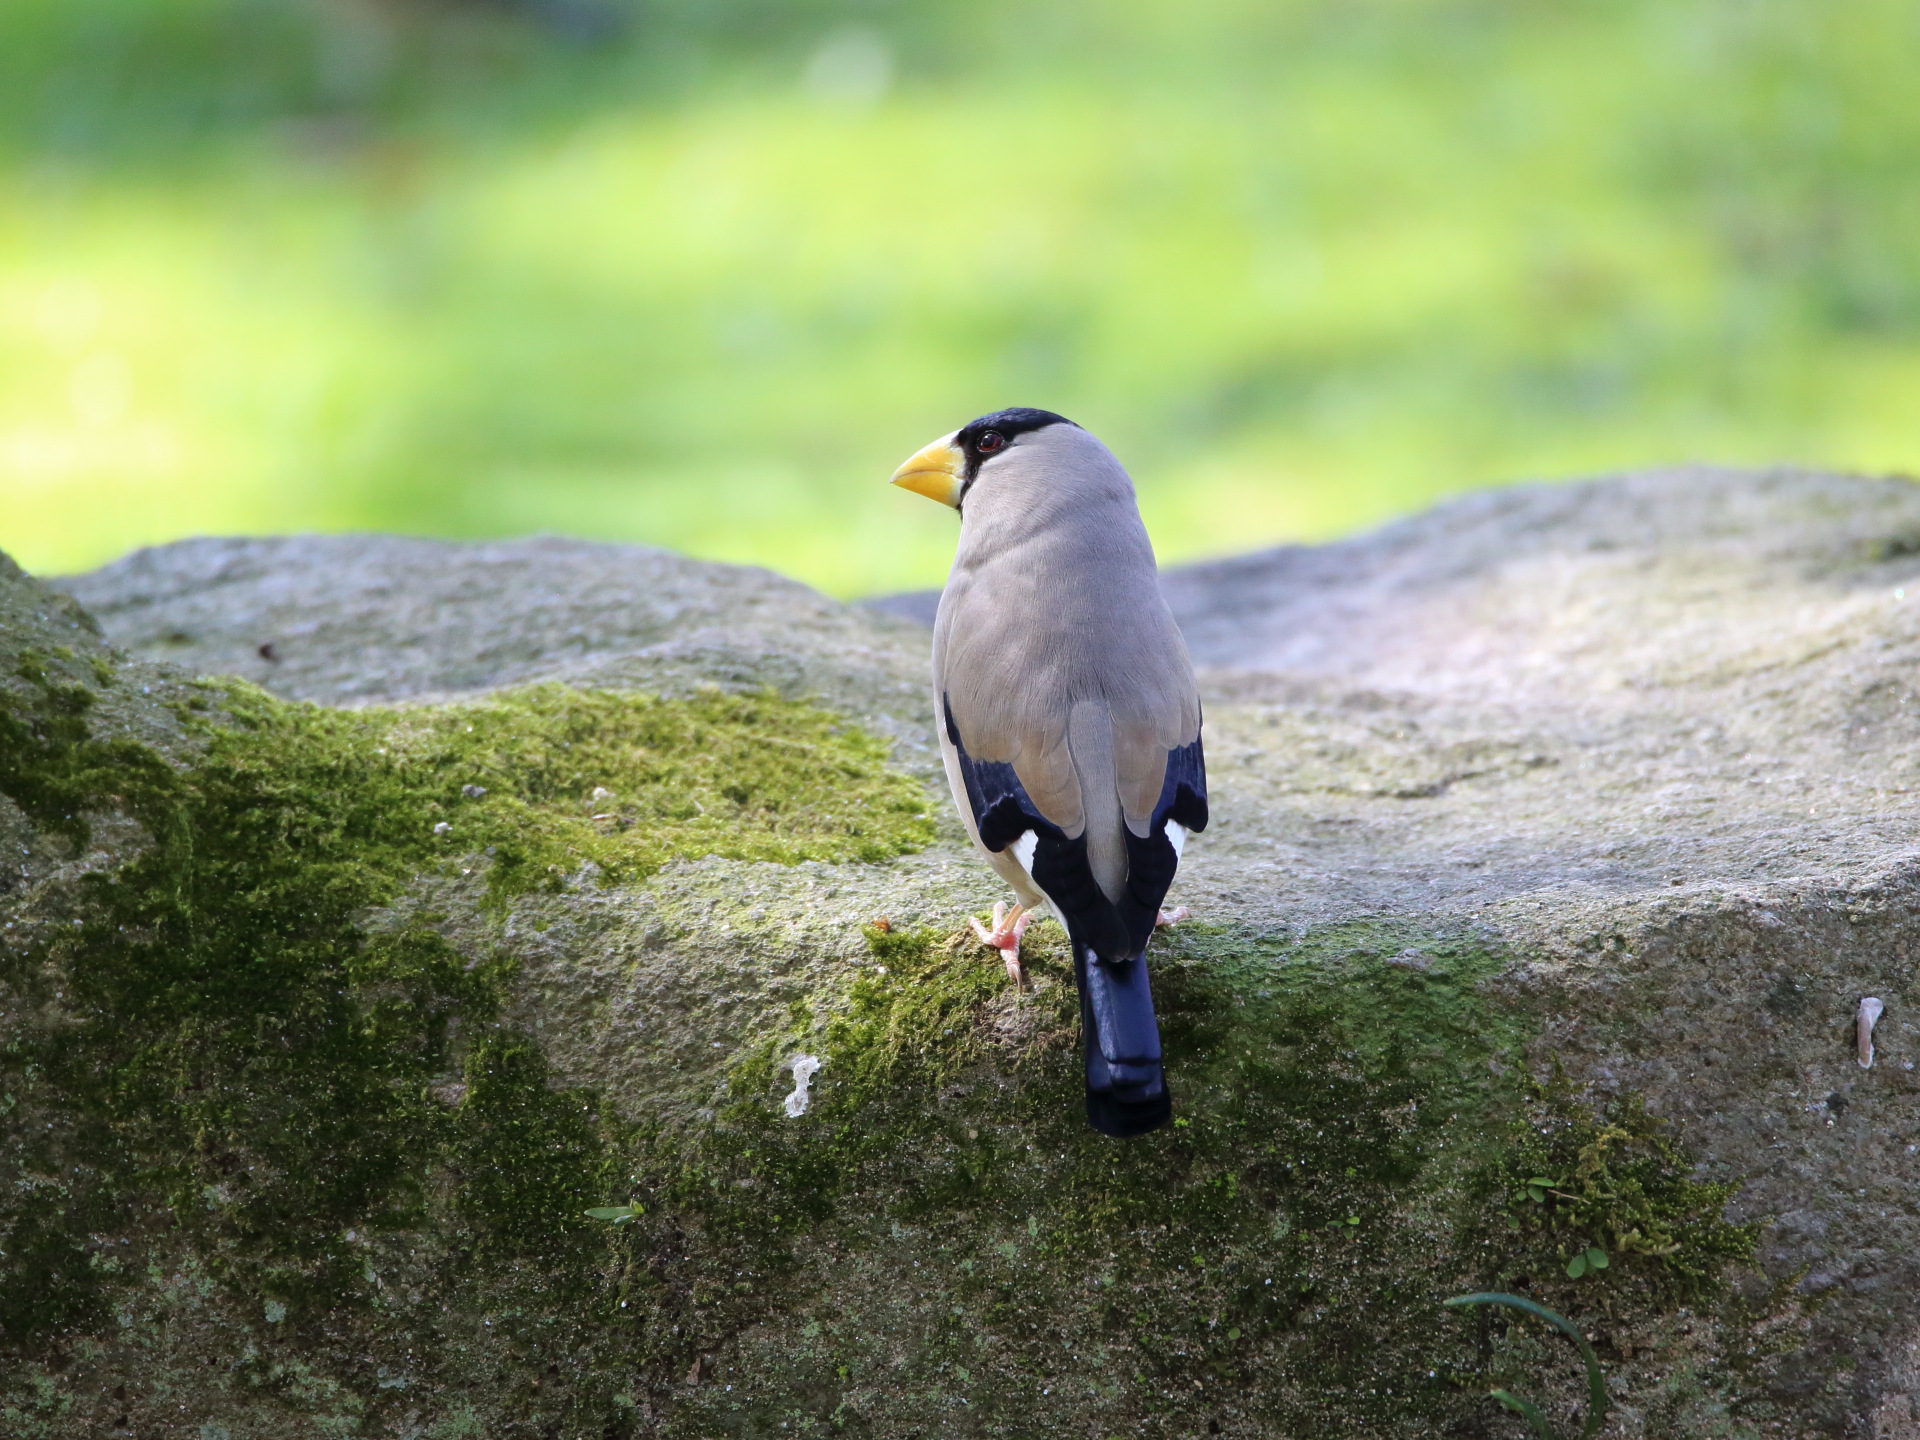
(1171, 917)
(1008, 928)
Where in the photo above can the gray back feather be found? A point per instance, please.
(1052, 630)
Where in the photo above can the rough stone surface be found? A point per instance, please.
(345, 620)
(1653, 739)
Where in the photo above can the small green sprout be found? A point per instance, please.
(618, 1214)
(1596, 1378)
(1592, 1258)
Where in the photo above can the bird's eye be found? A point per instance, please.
(990, 441)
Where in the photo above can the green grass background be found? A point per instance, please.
(700, 274)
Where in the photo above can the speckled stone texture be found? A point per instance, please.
(346, 620)
(1656, 737)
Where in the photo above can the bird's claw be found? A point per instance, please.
(1008, 929)
(1171, 917)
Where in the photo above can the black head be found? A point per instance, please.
(981, 439)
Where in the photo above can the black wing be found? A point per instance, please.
(1003, 812)
(1151, 859)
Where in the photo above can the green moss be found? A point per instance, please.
(228, 1056)
(1350, 1109)
(51, 765)
(530, 1157)
(1616, 1181)
(336, 1134)
(910, 1022)
(546, 779)
(628, 782)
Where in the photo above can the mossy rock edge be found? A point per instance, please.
(297, 1142)
(1564, 828)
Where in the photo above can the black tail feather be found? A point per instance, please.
(1126, 1085)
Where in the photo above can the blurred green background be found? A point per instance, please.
(699, 274)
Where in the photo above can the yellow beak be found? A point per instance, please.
(937, 472)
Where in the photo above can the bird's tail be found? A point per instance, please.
(1126, 1087)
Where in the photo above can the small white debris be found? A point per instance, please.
(1870, 1012)
(804, 1069)
(473, 792)
(600, 792)
(442, 828)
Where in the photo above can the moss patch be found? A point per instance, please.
(209, 1064)
(1613, 1180)
(1350, 1106)
(310, 1167)
(545, 778)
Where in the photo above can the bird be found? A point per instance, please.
(1069, 721)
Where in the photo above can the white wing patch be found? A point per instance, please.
(1177, 836)
(1023, 849)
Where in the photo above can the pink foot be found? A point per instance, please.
(1008, 928)
(1171, 917)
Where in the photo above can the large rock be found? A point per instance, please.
(1540, 819)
